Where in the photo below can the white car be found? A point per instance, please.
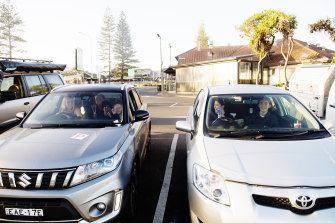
(256, 154)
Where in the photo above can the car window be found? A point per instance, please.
(12, 84)
(197, 106)
(78, 108)
(137, 99)
(132, 103)
(35, 86)
(54, 80)
(258, 112)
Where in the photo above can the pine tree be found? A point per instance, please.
(123, 49)
(10, 26)
(106, 40)
(202, 39)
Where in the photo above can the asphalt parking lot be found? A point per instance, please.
(163, 192)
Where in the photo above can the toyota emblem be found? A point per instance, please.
(304, 202)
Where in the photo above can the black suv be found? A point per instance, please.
(24, 84)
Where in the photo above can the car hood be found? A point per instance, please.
(274, 163)
(24, 148)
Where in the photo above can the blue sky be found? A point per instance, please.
(53, 29)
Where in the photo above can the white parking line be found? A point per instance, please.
(173, 105)
(160, 209)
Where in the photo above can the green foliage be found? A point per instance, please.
(10, 26)
(122, 47)
(260, 29)
(202, 39)
(324, 25)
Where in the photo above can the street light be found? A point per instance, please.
(160, 47)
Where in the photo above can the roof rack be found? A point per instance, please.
(26, 65)
(25, 60)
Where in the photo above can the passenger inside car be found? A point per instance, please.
(264, 118)
(101, 107)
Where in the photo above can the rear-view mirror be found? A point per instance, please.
(21, 115)
(184, 126)
(327, 124)
(141, 115)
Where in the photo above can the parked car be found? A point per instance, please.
(278, 169)
(23, 85)
(76, 156)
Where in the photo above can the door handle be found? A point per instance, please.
(26, 103)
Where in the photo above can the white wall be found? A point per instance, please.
(192, 79)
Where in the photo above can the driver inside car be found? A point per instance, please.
(69, 110)
(220, 118)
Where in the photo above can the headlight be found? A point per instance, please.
(92, 170)
(210, 184)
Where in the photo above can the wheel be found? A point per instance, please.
(133, 193)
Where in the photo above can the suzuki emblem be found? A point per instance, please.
(24, 180)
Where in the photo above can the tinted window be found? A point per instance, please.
(54, 80)
(78, 108)
(137, 99)
(35, 86)
(132, 103)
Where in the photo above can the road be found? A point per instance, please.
(163, 193)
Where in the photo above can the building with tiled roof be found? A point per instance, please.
(237, 65)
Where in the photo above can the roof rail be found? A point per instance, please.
(25, 60)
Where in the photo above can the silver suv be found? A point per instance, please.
(75, 157)
(24, 84)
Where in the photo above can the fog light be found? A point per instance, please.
(101, 206)
(117, 200)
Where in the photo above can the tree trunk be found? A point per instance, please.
(290, 47)
(259, 68)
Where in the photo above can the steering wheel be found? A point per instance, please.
(223, 119)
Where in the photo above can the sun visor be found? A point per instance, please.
(11, 66)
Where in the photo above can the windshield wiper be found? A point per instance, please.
(72, 125)
(261, 134)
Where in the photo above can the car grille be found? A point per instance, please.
(284, 203)
(53, 209)
(35, 180)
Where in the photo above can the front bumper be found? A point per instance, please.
(244, 209)
(109, 189)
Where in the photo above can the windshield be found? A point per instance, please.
(78, 109)
(259, 114)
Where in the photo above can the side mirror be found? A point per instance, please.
(327, 124)
(141, 115)
(8, 96)
(184, 126)
(21, 115)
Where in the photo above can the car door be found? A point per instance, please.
(139, 127)
(36, 88)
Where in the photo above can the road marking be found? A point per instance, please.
(160, 209)
(173, 105)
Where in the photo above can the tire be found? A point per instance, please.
(133, 195)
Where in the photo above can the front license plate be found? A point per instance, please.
(24, 212)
